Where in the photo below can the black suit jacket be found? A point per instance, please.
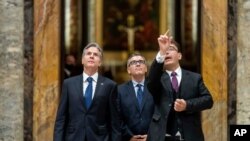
(135, 120)
(98, 123)
(192, 89)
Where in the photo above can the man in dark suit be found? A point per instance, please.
(88, 107)
(179, 96)
(135, 101)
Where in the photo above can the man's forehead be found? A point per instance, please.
(173, 45)
(92, 49)
(137, 57)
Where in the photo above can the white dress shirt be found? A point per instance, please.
(136, 88)
(160, 59)
(85, 82)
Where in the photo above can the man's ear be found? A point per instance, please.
(179, 56)
(82, 61)
(128, 71)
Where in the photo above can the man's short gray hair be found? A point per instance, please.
(93, 44)
(133, 55)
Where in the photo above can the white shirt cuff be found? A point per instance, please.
(159, 58)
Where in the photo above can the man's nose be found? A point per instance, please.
(138, 63)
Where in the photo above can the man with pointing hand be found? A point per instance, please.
(179, 96)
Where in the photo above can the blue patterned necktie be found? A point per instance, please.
(174, 81)
(88, 93)
(139, 94)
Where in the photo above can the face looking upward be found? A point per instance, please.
(91, 58)
(173, 56)
(137, 66)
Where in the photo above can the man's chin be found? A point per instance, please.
(168, 63)
(92, 66)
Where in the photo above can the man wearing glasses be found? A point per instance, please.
(136, 102)
(179, 96)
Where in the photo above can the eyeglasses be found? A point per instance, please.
(172, 48)
(135, 62)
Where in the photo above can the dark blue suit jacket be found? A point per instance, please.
(135, 121)
(192, 89)
(99, 123)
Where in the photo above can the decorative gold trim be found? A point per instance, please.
(99, 22)
(163, 20)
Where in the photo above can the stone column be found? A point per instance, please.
(11, 70)
(243, 59)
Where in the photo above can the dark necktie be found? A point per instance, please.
(88, 92)
(139, 94)
(174, 81)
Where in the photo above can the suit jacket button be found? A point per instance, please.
(169, 105)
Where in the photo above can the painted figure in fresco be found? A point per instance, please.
(131, 31)
(140, 35)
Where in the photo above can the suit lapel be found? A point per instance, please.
(79, 90)
(166, 83)
(98, 89)
(184, 82)
(145, 96)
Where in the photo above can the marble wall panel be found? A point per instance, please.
(11, 70)
(46, 67)
(214, 67)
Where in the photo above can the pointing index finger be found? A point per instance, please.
(166, 32)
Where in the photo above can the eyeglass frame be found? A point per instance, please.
(172, 48)
(135, 62)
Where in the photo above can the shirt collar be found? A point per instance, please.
(178, 71)
(135, 83)
(94, 76)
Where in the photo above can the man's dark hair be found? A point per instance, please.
(176, 44)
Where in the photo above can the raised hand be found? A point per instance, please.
(164, 42)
